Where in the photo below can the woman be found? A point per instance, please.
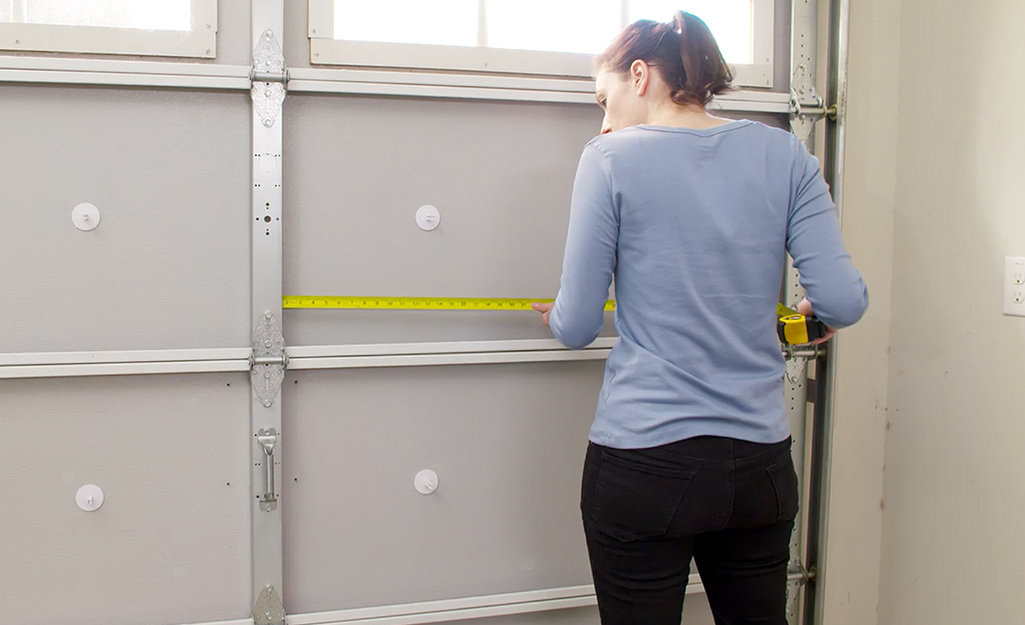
(689, 453)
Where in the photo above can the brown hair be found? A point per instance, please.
(684, 52)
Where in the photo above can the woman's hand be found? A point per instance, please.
(545, 309)
(804, 308)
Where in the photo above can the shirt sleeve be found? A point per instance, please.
(835, 289)
(590, 257)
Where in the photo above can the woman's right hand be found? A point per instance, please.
(804, 308)
(545, 308)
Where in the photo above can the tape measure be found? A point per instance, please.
(418, 303)
(793, 328)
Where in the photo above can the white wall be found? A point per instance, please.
(953, 544)
(851, 559)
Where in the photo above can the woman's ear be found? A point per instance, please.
(640, 75)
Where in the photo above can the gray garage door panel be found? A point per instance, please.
(358, 169)
(168, 266)
(170, 543)
(507, 442)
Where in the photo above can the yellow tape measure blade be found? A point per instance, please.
(417, 303)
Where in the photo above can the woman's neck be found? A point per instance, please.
(690, 116)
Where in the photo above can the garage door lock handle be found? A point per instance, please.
(268, 439)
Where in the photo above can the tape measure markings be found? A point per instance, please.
(417, 303)
(437, 303)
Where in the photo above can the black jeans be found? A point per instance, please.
(728, 504)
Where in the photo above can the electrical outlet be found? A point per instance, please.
(1014, 286)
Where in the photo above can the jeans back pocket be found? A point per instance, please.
(637, 494)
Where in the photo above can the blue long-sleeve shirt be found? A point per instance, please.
(694, 226)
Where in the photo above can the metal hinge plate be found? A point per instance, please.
(269, 359)
(268, 609)
(269, 78)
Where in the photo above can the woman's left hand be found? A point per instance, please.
(804, 308)
(545, 309)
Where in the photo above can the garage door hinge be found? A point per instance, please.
(269, 78)
(806, 106)
(812, 109)
(268, 360)
(805, 112)
(268, 609)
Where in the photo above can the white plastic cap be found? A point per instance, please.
(426, 482)
(85, 217)
(428, 218)
(89, 498)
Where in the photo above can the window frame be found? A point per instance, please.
(326, 50)
(200, 42)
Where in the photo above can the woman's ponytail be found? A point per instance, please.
(705, 72)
